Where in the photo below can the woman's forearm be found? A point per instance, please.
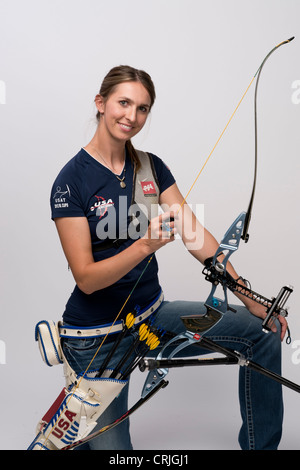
(100, 274)
(91, 276)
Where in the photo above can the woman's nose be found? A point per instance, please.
(131, 114)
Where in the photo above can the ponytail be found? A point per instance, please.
(132, 154)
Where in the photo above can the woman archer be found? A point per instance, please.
(101, 184)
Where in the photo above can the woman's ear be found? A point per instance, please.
(100, 103)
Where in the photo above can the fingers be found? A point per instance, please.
(260, 311)
(161, 231)
(167, 224)
(284, 326)
(163, 227)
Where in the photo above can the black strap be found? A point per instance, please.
(107, 244)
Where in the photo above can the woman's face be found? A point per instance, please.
(125, 111)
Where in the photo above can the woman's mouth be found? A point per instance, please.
(125, 127)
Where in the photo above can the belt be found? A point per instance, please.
(110, 243)
(69, 331)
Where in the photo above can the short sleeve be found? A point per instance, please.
(163, 173)
(66, 195)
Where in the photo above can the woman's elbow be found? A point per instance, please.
(89, 286)
(85, 287)
(84, 278)
(90, 280)
(85, 284)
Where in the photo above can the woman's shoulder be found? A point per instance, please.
(76, 164)
(162, 170)
(74, 171)
(68, 189)
(157, 161)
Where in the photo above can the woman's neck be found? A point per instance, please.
(110, 154)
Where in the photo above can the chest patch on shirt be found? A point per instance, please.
(148, 188)
(101, 206)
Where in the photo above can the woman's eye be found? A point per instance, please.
(123, 102)
(143, 109)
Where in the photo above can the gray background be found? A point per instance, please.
(201, 56)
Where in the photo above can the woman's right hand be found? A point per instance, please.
(161, 231)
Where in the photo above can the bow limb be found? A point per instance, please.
(245, 235)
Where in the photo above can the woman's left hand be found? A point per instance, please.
(260, 311)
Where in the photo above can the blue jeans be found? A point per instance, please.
(260, 397)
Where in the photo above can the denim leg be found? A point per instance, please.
(260, 397)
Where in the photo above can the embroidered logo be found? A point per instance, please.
(59, 197)
(101, 206)
(148, 188)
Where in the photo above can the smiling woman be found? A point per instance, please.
(127, 79)
(122, 115)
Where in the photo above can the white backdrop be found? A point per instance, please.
(201, 56)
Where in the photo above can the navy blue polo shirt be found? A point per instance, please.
(85, 188)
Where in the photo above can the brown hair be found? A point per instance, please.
(125, 73)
